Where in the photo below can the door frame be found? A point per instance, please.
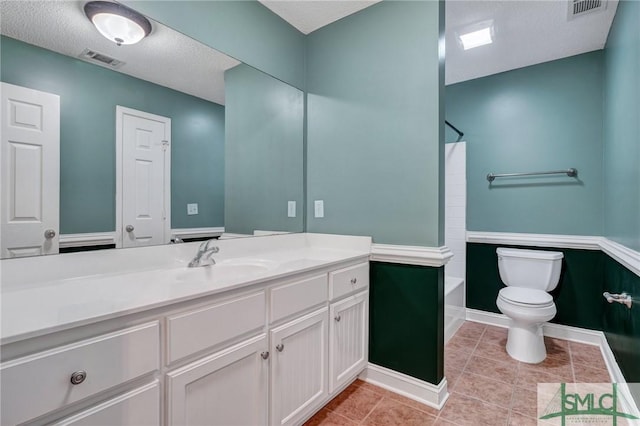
(120, 112)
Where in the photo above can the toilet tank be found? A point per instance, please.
(535, 269)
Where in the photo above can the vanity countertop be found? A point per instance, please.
(129, 281)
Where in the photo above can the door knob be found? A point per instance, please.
(129, 228)
(49, 234)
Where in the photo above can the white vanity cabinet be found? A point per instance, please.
(265, 353)
(140, 407)
(349, 324)
(36, 384)
(229, 387)
(348, 339)
(299, 368)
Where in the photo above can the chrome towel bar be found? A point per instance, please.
(623, 298)
(569, 172)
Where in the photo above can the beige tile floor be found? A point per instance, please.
(487, 386)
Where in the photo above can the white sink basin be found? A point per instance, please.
(250, 263)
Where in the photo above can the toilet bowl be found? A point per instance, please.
(529, 276)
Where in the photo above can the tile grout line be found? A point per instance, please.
(573, 369)
(361, 422)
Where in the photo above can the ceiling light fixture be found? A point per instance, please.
(116, 22)
(476, 38)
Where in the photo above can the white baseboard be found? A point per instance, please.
(558, 331)
(432, 395)
(87, 239)
(489, 318)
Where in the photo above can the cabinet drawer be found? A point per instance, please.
(40, 383)
(192, 331)
(348, 280)
(295, 297)
(140, 407)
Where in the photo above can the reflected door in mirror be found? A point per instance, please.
(30, 171)
(145, 141)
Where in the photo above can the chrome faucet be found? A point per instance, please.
(203, 257)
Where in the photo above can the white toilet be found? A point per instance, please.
(529, 276)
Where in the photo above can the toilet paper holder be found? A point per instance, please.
(623, 298)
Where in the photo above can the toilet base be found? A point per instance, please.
(525, 343)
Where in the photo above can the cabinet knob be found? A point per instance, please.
(129, 228)
(264, 355)
(354, 280)
(280, 347)
(338, 318)
(49, 234)
(78, 377)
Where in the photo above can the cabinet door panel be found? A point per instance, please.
(348, 339)
(227, 388)
(299, 367)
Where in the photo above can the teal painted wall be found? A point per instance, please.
(88, 98)
(245, 30)
(374, 124)
(406, 319)
(263, 152)
(542, 117)
(622, 127)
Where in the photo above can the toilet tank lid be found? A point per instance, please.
(529, 254)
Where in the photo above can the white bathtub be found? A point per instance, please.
(454, 306)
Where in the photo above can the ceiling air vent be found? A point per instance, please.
(100, 59)
(579, 8)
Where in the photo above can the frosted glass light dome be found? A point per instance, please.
(118, 23)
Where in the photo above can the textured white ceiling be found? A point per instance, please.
(526, 33)
(166, 57)
(309, 15)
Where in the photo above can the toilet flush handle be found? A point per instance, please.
(622, 298)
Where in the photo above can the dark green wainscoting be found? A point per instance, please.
(578, 296)
(585, 275)
(406, 319)
(622, 325)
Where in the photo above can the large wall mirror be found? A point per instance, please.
(163, 139)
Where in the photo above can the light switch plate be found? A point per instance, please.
(192, 208)
(318, 208)
(291, 209)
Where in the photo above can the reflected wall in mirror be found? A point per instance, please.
(233, 155)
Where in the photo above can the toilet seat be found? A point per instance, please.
(525, 296)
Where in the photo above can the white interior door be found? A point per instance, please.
(30, 171)
(143, 197)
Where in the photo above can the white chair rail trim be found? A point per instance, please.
(624, 255)
(411, 255)
(87, 239)
(197, 232)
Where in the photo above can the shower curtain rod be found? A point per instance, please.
(460, 134)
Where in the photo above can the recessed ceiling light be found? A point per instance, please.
(476, 38)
